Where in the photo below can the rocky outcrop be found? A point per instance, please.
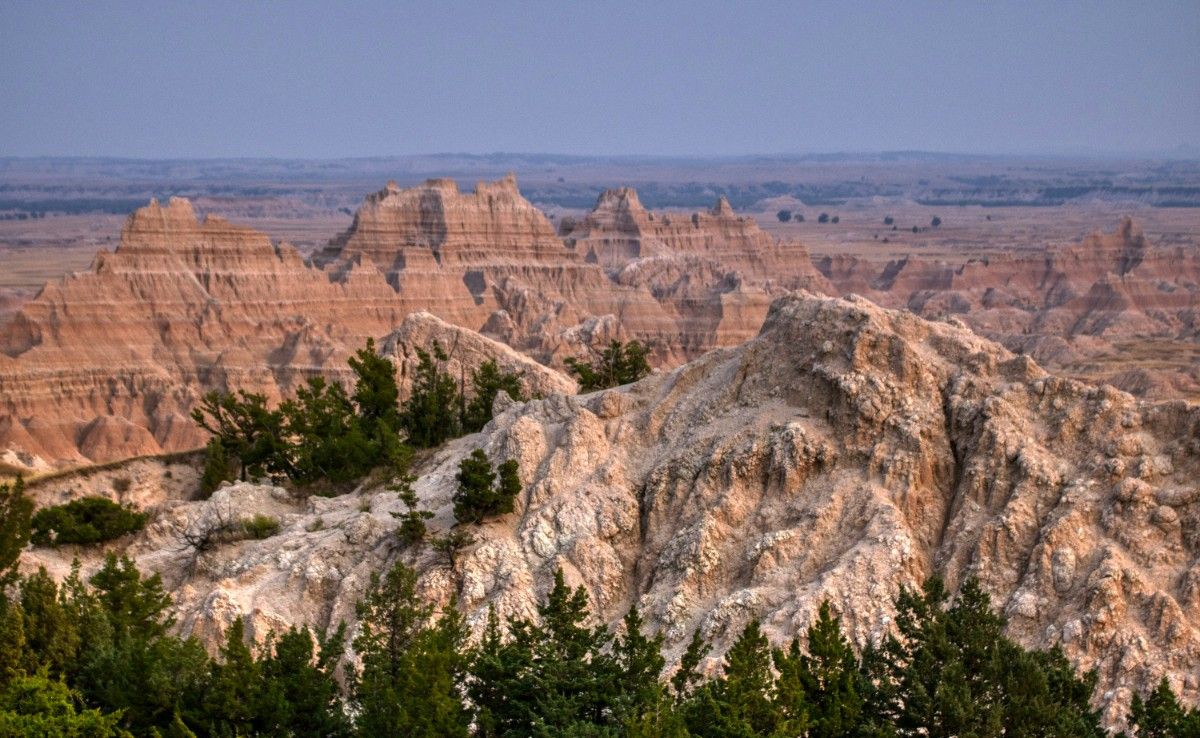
(107, 363)
(465, 351)
(1111, 308)
(844, 452)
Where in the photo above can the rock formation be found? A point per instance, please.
(106, 364)
(846, 451)
(465, 351)
(1112, 308)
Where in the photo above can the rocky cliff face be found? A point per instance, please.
(106, 364)
(1112, 308)
(844, 452)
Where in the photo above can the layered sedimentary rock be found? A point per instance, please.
(106, 364)
(844, 452)
(1111, 308)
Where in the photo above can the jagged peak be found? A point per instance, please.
(722, 209)
(177, 214)
(445, 185)
(506, 185)
(623, 199)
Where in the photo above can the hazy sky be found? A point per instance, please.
(316, 80)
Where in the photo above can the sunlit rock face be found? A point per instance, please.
(107, 363)
(842, 453)
(1102, 308)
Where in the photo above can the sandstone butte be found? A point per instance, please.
(107, 363)
(845, 451)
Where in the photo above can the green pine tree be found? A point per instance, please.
(231, 702)
(431, 414)
(480, 494)
(487, 381)
(218, 467)
(620, 363)
(248, 429)
(639, 663)
(300, 695)
(51, 634)
(376, 395)
(16, 514)
(687, 676)
(552, 678)
(411, 665)
(40, 706)
(831, 678)
(739, 703)
(1160, 715)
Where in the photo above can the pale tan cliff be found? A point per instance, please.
(845, 451)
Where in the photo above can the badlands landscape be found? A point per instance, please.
(599, 370)
(1005, 397)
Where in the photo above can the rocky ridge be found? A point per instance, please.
(106, 364)
(1081, 308)
(844, 452)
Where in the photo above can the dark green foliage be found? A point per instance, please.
(639, 663)
(51, 634)
(431, 415)
(739, 702)
(97, 657)
(39, 706)
(218, 467)
(480, 495)
(233, 690)
(784, 216)
(687, 675)
(322, 434)
(822, 688)
(13, 649)
(300, 696)
(835, 219)
(620, 363)
(1160, 715)
(377, 397)
(487, 381)
(949, 670)
(86, 520)
(412, 528)
(823, 218)
(888, 220)
(248, 429)
(550, 679)
(325, 439)
(412, 664)
(127, 661)
(16, 514)
(451, 544)
(935, 222)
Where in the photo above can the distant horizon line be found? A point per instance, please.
(1184, 152)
